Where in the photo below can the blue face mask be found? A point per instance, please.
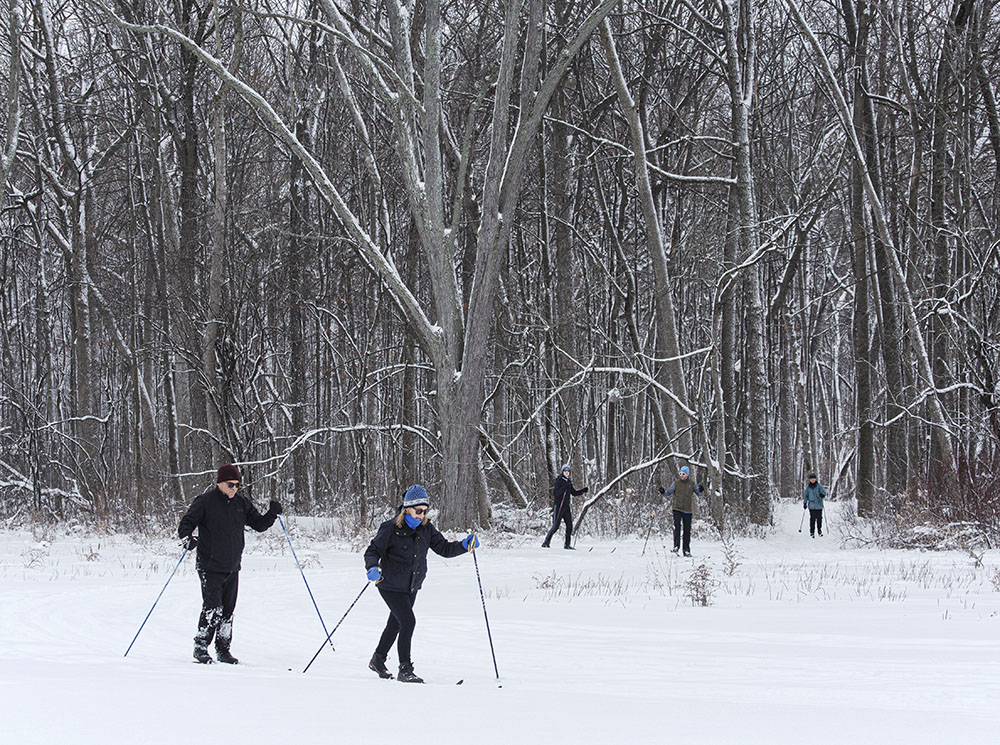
(412, 521)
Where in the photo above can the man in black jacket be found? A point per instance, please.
(562, 490)
(220, 516)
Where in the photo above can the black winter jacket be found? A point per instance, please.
(220, 522)
(401, 554)
(562, 490)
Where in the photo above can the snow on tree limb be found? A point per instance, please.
(366, 246)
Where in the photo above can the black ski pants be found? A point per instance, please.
(560, 516)
(399, 628)
(682, 519)
(815, 521)
(218, 602)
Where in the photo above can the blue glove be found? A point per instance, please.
(374, 574)
(470, 539)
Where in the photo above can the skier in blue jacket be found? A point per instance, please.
(812, 500)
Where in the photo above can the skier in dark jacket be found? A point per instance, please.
(220, 515)
(812, 500)
(562, 490)
(396, 560)
(684, 492)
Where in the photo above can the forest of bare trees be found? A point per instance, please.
(355, 245)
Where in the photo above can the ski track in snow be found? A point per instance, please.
(806, 642)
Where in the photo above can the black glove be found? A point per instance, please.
(805, 506)
(189, 542)
(662, 491)
(275, 507)
(585, 490)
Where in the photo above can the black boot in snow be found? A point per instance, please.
(223, 655)
(675, 549)
(545, 545)
(377, 664)
(406, 674)
(570, 548)
(201, 655)
(207, 627)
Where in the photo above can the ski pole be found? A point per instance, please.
(155, 602)
(483, 598)
(651, 524)
(308, 589)
(321, 646)
(802, 520)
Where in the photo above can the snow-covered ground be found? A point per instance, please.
(804, 642)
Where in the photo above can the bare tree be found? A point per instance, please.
(13, 127)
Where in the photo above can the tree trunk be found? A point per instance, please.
(941, 477)
(740, 42)
(669, 367)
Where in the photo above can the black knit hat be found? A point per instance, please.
(228, 472)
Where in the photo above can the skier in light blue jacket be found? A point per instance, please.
(812, 500)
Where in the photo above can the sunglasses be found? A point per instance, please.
(233, 484)
(419, 510)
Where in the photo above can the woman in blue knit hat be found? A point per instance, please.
(684, 493)
(396, 560)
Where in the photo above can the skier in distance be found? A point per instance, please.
(684, 492)
(562, 490)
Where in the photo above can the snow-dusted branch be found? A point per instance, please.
(913, 328)
(277, 461)
(428, 333)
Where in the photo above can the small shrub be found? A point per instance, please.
(34, 556)
(700, 586)
(731, 556)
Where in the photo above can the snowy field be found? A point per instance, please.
(804, 642)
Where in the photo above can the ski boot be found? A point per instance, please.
(377, 664)
(223, 638)
(202, 656)
(224, 655)
(406, 674)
